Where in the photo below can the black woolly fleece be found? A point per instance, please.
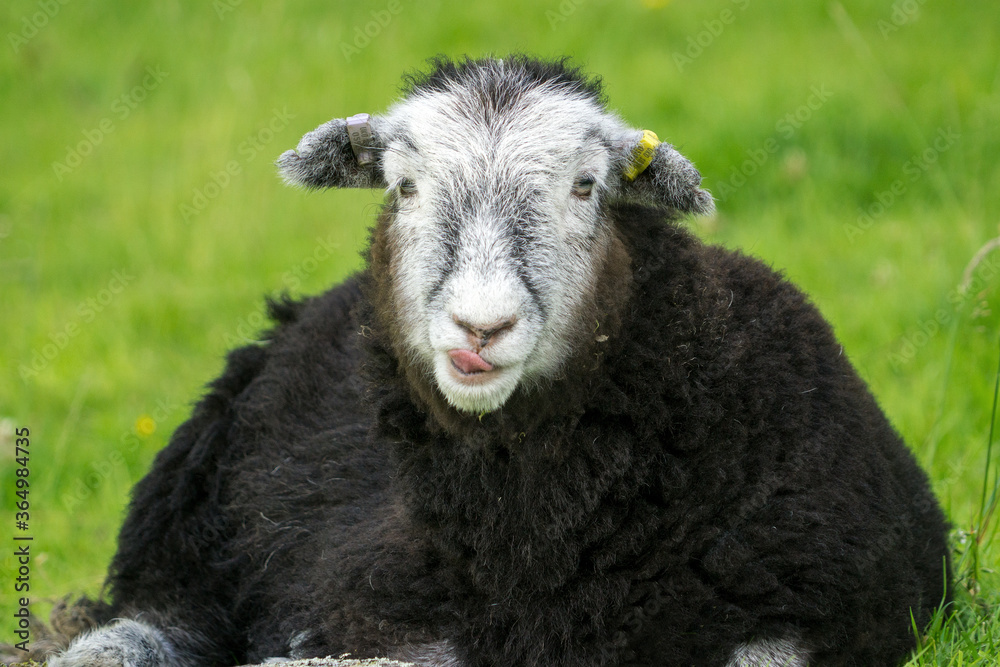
(723, 475)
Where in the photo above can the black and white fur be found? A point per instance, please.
(488, 230)
(658, 456)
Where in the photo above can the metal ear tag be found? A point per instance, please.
(359, 130)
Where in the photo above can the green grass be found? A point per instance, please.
(240, 88)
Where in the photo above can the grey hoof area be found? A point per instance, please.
(124, 644)
(769, 653)
(340, 662)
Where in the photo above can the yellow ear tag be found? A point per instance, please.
(642, 154)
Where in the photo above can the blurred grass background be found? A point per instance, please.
(852, 145)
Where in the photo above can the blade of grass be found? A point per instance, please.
(986, 509)
(877, 72)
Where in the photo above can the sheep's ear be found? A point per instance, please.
(344, 153)
(655, 173)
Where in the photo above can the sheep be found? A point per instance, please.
(545, 425)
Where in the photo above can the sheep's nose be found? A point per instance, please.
(481, 335)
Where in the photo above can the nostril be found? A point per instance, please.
(499, 327)
(482, 333)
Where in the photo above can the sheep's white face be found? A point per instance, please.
(496, 230)
(498, 173)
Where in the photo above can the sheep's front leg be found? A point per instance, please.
(126, 643)
(438, 654)
(769, 653)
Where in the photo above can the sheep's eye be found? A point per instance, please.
(406, 187)
(583, 187)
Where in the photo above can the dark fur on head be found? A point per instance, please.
(502, 79)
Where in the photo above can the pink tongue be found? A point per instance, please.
(468, 361)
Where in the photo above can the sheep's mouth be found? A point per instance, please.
(472, 384)
(477, 377)
(468, 362)
(469, 368)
